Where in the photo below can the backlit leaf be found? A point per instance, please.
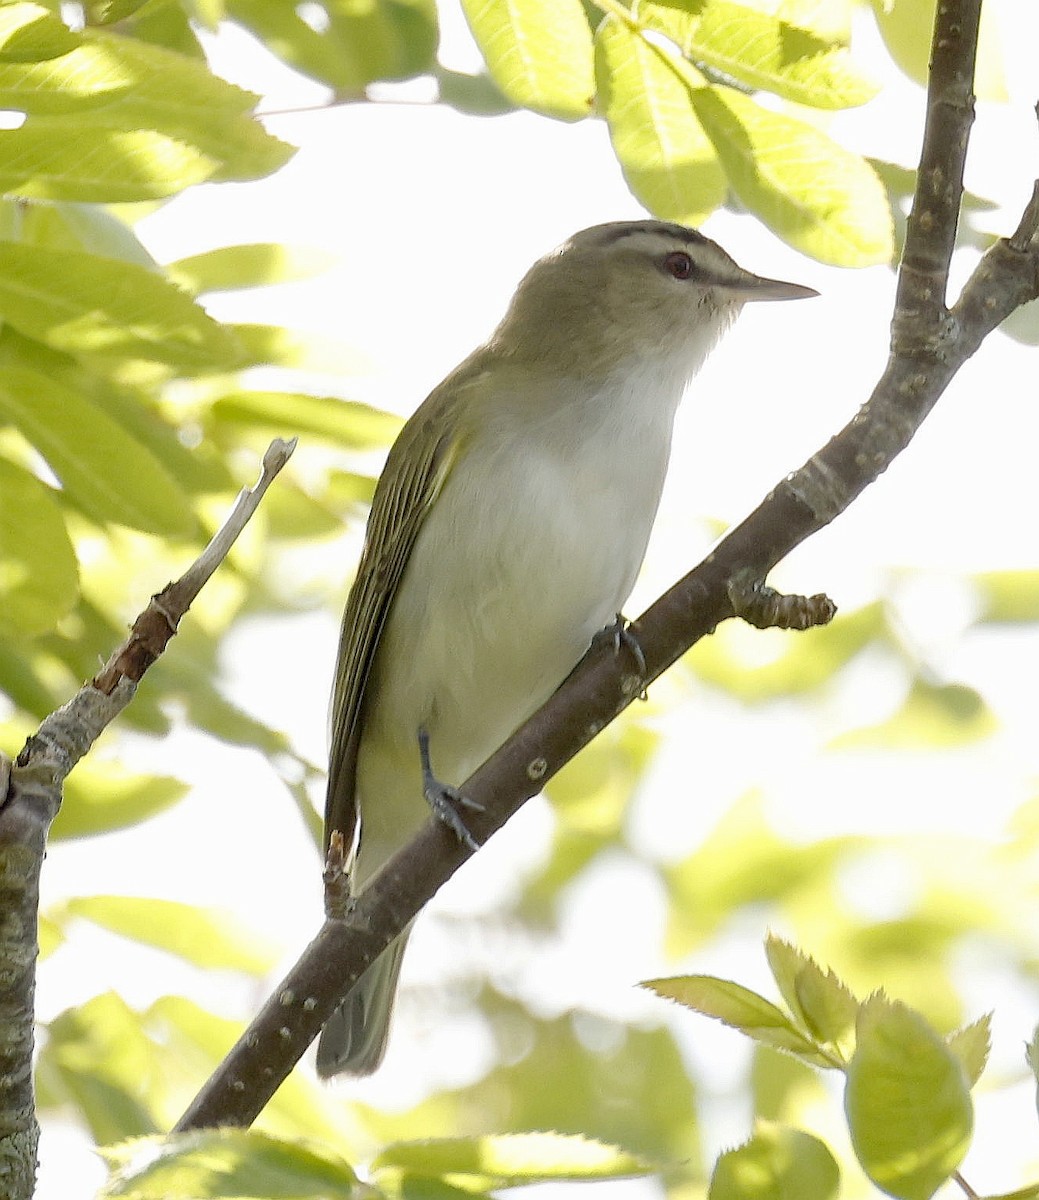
(908, 1107)
(39, 582)
(225, 1162)
(102, 796)
(505, 1160)
(667, 159)
(776, 1163)
(206, 939)
(538, 51)
(819, 197)
(112, 476)
(88, 305)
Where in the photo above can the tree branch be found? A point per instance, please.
(928, 345)
(30, 802)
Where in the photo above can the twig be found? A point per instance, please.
(928, 345)
(30, 802)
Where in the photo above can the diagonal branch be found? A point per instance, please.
(30, 802)
(929, 343)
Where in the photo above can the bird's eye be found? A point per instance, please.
(679, 264)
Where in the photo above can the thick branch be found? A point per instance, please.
(928, 346)
(30, 803)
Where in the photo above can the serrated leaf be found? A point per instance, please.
(823, 1004)
(776, 1163)
(765, 51)
(667, 159)
(104, 470)
(39, 580)
(102, 796)
(254, 265)
(164, 112)
(971, 1045)
(817, 196)
(933, 715)
(344, 422)
(200, 936)
(539, 52)
(907, 1102)
(57, 158)
(88, 305)
(506, 1160)
(225, 1162)
(741, 1009)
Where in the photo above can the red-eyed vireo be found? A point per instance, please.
(507, 529)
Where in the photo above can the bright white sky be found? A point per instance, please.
(433, 218)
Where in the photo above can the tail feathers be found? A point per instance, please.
(353, 1041)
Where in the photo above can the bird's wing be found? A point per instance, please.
(418, 464)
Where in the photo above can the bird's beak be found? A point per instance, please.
(746, 287)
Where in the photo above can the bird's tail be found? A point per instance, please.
(354, 1038)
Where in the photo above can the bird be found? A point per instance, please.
(506, 531)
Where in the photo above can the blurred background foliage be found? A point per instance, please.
(129, 417)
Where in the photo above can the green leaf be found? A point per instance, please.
(343, 422)
(39, 582)
(667, 159)
(115, 118)
(101, 796)
(764, 51)
(391, 39)
(506, 1160)
(1008, 597)
(200, 936)
(82, 445)
(933, 716)
(226, 1162)
(739, 1008)
(32, 33)
(819, 197)
(64, 225)
(278, 346)
(822, 1003)
(192, 1042)
(539, 52)
(57, 158)
(25, 678)
(104, 12)
(88, 305)
(362, 44)
(906, 27)
(776, 1163)
(98, 1055)
(247, 266)
(1026, 1193)
(971, 1045)
(907, 1102)
(758, 665)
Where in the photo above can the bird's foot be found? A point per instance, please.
(621, 636)
(446, 801)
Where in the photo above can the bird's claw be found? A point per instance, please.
(445, 801)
